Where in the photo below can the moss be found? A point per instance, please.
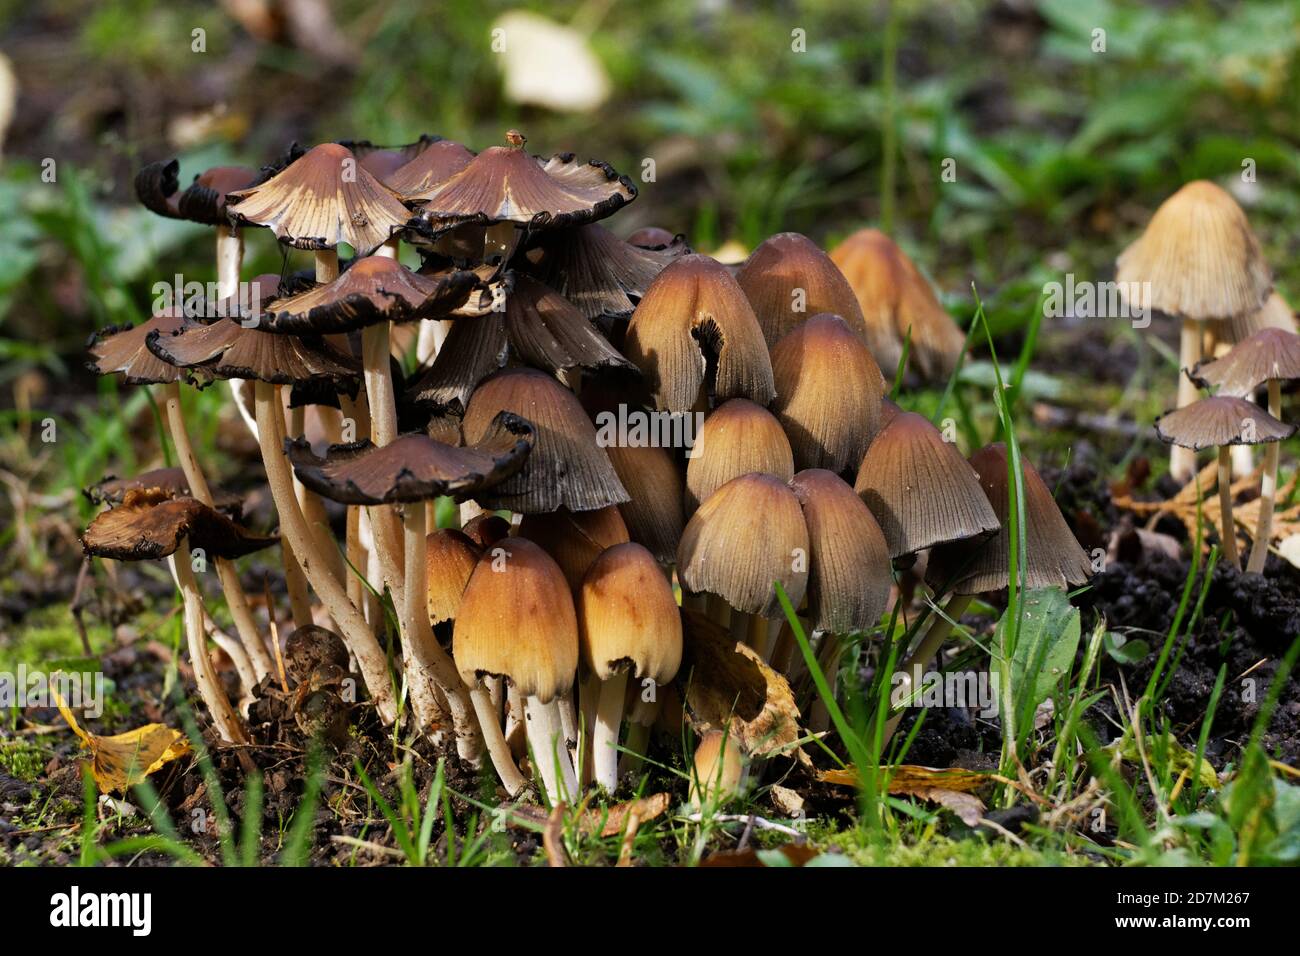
(50, 634)
(22, 759)
(859, 846)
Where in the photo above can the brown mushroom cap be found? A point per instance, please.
(566, 468)
(747, 534)
(516, 620)
(475, 347)
(920, 489)
(435, 164)
(170, 482)
(413, 467)
(545, 330)
(1271, 353)
(575, 538)
(321, 199)
(654, 237)
(1273, 314)
(226, 349)
(1197, 259)
(739, 437)
(627, 615)
(1053, 558)
(487, 529)
(655, 516)
(694, 319)
(850, 572)
(122, 348)
(157, 186)
(151, 524)
(828, 393)
(1220, 420)
(450, 558)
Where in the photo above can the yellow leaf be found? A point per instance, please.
(123, 760)
(952, 787)
(1180, 759)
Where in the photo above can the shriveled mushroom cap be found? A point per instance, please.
(475, 347)
(323, 198)
(747, 534)
(849, 576)
(566, 468)
(414, 467)
(1197, 259)
(157, 186)
(226, 349)
(151, 524)
(627, 616)
(1220, 420)
(516, 620)
(1053, 558)
(788, 272)
(655, 516)
(828, 393)
(450, 558)
(653, 237)
(920, 489)
(1274, 314)
(435, 164)
(897, 300)
(695, 320)
(1270, 353)
(170, 482)
(122, 348)
(575, 538)
(739, 437)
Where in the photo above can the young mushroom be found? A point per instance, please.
(575, 538)
(737, 438)
(717, 771)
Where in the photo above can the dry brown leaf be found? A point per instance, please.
(795, 854)
(608, 823)
(951, 788)
(123, 760)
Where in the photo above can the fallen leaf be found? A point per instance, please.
(951, 788)
(787, 801)
(123, 760)
(607, 822)
(1180, 759)
(794, 854)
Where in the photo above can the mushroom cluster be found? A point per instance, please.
(643, 444)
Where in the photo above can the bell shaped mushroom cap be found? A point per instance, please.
(413, 467)
(718, 769)
(599, 273)
(787, 279)
(435, 164)
(475, 347)
(1197, 259)
(828, 393)
(566, 468)
(920, 489)
(627, 615)
(1271, 353)
(545, 330)
(1220, 420)
(1274, 314)
(157, 186)
(695, 320)
(487, 529)
(373, 289)
(849, 567)
(170, 482)
(226, 349)
(122, 348)
(747, 534)
(517, 621)
(1053, 558)
(737, 438)
(507, 184)
(323, 198)
(654, 516)
(450, 557)
(151, 524)
(575, 538)
(654, 237)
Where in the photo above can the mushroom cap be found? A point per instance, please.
(323, 198)
(373, 289)
(227, 349)
(450, 557)
(695, 320)
(123, 348)
(507, 184)
(1053, 558)
(718, 769)
(654, 237)
(436, 163)
(1199, 257)
(920, 489)
(475, 347)
(739, 437)
(547, 331)
(168, 481)
(487, 528)
(828, 393)
(897, 298)
(517, 620)
(1220, 420)
(566, 468)
(1273, 314)
(790, 263)
(654, 515)
(849, 568)
(413, 467)
(157, 186)
(747, 534)
(627, 615)
(150, 523)
(1270, 353)
(575, 538)
(599, 273)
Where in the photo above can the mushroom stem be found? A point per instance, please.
(327, 265)
(636, 744)
(378, 371)
(1228, 530)
(236, 599)
(719, 611)
(546, 740)
(497, 748)
(230, 258)
(609, 717)
(925, 652)
(1182, 461)
(356, 634)
(223, 715)
(760, 635)
(313, 509)
(1267, 488)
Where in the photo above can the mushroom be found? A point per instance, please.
(898, 304)
(694, 333)
(575, 538)
(717, 771)
(1219, 422)
(828, 393)
(628, 625)
(655, 513)
(1271, 355)
(1199, 262)
(517, 622)
(436, 163)
(654, 237)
